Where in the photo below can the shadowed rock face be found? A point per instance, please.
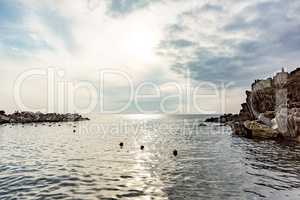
(31, 117)
(293, 122)
(272, 108)
(262, 101)
(293, 89)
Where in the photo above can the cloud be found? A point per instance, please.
(124, 7)
(15, 42)
(156, 41)
(59, 25)
(212, 7)
(30, 28)
(181, 43)
(254, 41)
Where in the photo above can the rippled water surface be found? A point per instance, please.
(53, 162)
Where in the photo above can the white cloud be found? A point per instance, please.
(83, 38)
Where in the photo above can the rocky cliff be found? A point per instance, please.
(271, 110)
(31, 117)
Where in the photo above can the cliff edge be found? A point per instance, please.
(271, 110)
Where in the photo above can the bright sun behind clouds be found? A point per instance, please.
(140, 42)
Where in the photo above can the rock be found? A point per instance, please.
(228, 118)
(202, 124)
(293, 123)
(269, 114)
(293, 89)
(223, 119)
(264, 120)
(175, 152)
(213, 119)
(280, 121)
(258, 130)
(4, 119)
(30, 117)
(262, 100)
(238, 129)
(246, 112)
(272, 108)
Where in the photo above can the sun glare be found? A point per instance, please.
(143, 116)
(140, 42)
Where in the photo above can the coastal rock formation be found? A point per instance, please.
(31, 117)
(223, 119)
(258, 130)
(202, 124)
(293, 122)
(3, 117)
(271, 110)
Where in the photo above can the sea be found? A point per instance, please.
(84, 160)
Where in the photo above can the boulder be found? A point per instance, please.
(238, 129)
(266, 118)
(261, 131)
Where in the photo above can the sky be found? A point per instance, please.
(142, 56)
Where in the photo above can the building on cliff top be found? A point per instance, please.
(280, 79)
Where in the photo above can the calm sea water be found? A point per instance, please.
(53, 162)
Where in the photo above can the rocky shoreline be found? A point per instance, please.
(271, 110)
(38, 117)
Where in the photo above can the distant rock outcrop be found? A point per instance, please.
(223, 119)
(271, 110)
(31, 117)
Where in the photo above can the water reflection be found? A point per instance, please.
(274, 168)
(53, 162)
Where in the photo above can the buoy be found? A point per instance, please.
(121, 144)
(74, 131)
(175, 153)
(142, 147)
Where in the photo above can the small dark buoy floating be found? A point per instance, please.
(74, 131)
(121, 144)
(175, 153)
(142, 147)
